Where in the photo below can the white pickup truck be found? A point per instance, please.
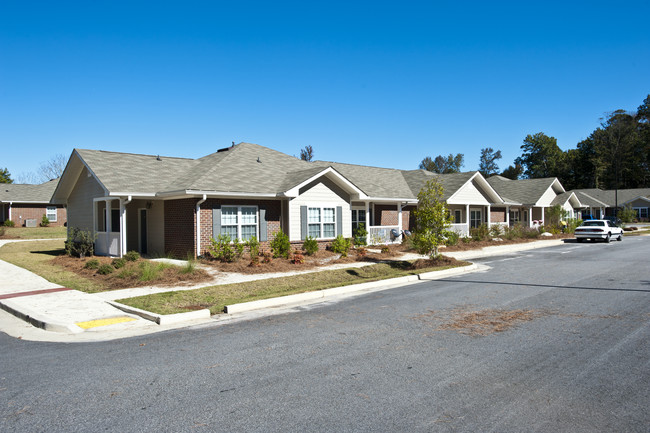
(598, 229)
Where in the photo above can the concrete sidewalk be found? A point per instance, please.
(61, 314)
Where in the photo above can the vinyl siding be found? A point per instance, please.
(469, 193)
(546, 198)
(80, 201)
(322, 192)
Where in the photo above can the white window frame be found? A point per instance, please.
(52, 209)
(472, 220)
(321, 223)
(515, 216)
(638, 212)
(239, 224)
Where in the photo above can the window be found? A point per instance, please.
(239, 222)
(474, 218)
(358, 217)
(458, 216)
(321, 222)
(514, 216)
(51, 213)
(641, 212)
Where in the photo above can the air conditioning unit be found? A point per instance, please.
(31, 223)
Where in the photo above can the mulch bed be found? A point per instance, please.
(168, 277)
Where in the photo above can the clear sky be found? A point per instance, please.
(375, 83)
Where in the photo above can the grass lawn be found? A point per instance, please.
(36, 257)
(35, 233)
(217, 297)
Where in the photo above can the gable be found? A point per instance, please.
(547, 198)
(468, 194)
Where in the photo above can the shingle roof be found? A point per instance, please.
(524, 191)
(595, 197)
(42, 193)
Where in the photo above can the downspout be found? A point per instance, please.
(198, 224)
(123, 204)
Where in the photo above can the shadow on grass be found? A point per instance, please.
(54, 253)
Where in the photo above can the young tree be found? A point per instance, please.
(5, 176)
(52, 168)
(307, 154)
(442, 164)
(488, 162)
(432, 220)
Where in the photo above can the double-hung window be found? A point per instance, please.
(239, 222)
(51, 213)
(321, 222)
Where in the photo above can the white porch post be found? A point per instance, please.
(123, 204)
(109, 224)
(368, 216)
(508, 216)
(530, 217)
(489, 215)
(10, 203)
(467, 217)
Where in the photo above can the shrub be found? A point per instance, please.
(298, 259)
(280, 245)
(529, 233)
(360, 235)
(132, 256)
(80, 243)
(627, 214)
(571, 225)
(105, 269)
(125, 273)
(341, 246)
(452, 238)
(267, 257)
(466, 239)
(253, 248)
(385, 249)
(362, 252)
(480, 233)
(9, 223)
(310, 246)
(45, 221)
(189, 267)
(224, 250)
(92, 264)
(495, 231)
(118, 263)
(149, 271)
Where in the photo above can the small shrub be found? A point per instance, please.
(189, 267)
(9, 223)
(298, 259)
(341, 246)
(150, 271)
(495, 231)
(132, 256)
(125, 273)
(452, 238)
(480, 233)
(45, 221)
(362, 252)
(385, 249)
(280, 245)
(118, 263)
(360, 235)
(253, 248)
(105, 269)
(310, 246)
(267, 257)
(224, 250)
(466, 239)
(92, 264)
(530, 233)
(80, 243)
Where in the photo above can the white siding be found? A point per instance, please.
(319, 193)
(546, 198)
(80, 201)
(468, 194)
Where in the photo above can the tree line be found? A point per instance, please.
(615, 155)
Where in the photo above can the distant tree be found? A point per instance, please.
(52, 168)
(541, 157)
(488, 165)
(5, 176)
(443, 165)
(513, 172)
(307, 154)
(432, 220)
(618, 152)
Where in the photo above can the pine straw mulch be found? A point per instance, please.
(122, 278)
(479, 323)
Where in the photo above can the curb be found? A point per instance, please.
(36, 320)
(376, 285)
(163, 319)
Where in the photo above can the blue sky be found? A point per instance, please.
(375, 83)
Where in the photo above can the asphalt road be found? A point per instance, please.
(397, 360)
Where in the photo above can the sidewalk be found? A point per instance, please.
(61, 314)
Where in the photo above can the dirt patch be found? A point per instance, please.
(130, 275)
(479, 323)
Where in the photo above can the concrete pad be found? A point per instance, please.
(16, 279)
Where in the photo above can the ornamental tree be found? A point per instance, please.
(432, 220)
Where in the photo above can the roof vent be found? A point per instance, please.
(158, 158)
(259, 160)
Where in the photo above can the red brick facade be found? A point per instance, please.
(180, 234)
(387, 215)
(498, 215)
(22, 212)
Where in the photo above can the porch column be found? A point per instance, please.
(508, 216)
(368, 217)
(123, 204)
(467, 217)
(530, 217)
(10, 203)
(109, 225)
(489, 216)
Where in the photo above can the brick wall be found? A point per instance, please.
(22, 212)
(387, 215)
(498, 215)
(180, 231)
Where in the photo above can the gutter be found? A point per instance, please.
(198, 224)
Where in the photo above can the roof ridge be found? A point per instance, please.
(135, 154)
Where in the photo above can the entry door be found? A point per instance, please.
(142, 227)
(475, 218)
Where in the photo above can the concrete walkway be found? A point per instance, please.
(61, 314)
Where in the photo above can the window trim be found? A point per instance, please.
(239, 223)
(322, 223)
(47, 209)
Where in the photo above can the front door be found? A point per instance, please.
(142, 227)
(475, 218)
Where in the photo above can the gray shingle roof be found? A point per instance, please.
(595, 197)
(524, 191)
(42, 193)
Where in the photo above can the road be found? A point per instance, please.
(572, 354)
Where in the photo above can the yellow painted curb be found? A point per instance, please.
(103, 322)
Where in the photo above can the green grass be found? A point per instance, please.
(217, 297)
(36, 232)
(35, 256)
